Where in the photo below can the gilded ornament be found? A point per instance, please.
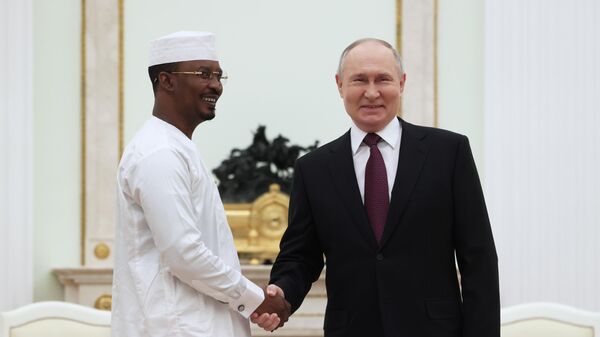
(104, 302)
(101, 251)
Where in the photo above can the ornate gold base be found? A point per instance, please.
(258, 227)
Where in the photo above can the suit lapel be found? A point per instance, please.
(342, 172)
(410, 162)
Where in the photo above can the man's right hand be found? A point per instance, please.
(274, 311)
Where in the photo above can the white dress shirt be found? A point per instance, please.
(389, 146)
(176, 268)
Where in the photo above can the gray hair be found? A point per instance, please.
(370, 39)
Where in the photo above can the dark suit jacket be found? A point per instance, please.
(407, 285)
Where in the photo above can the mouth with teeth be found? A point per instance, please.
(210, 100)
(371, 107)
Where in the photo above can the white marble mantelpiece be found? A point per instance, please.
(92, 286)
(85, 285)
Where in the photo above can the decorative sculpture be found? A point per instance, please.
(248, 173)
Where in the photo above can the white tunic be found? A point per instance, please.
(176, 268)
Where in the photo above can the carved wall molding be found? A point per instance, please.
(102, 124)
(417, 44)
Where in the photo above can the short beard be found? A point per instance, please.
(207, 116)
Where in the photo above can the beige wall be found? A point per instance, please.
(296, 50)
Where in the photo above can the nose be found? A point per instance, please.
(372, 92)
(214, 83)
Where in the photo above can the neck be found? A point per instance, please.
(168, 116)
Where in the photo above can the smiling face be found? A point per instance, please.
(370, 85)
(196, 98)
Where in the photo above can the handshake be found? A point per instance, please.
(274, 311)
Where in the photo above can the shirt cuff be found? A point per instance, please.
(251, 298)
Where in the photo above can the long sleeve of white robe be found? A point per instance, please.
(160, 182)
(176, 269)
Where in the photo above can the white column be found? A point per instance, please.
(542, 148)
(16, 138)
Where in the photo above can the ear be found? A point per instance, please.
(167, 81)
(402, 82)
(338, 81)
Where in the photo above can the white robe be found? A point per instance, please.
(176, 268)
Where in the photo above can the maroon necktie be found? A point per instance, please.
(376, 187)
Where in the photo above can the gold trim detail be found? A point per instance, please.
(83, 133)
(102, 251)
(104, 302)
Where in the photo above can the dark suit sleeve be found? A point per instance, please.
(300, 259)
(475, 250)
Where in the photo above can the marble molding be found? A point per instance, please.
(84, 285)
(419, 49)
(101, 125)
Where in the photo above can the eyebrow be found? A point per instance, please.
(358, 75)
(367, 75)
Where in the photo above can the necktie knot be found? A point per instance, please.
(372, 139)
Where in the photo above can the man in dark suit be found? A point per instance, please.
(391, 207)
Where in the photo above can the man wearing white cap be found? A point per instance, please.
(176, 268)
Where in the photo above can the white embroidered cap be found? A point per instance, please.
(183, 46)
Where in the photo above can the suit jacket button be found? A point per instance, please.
(379, 257)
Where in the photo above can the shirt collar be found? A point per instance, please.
(172, 129)
(389, 134)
